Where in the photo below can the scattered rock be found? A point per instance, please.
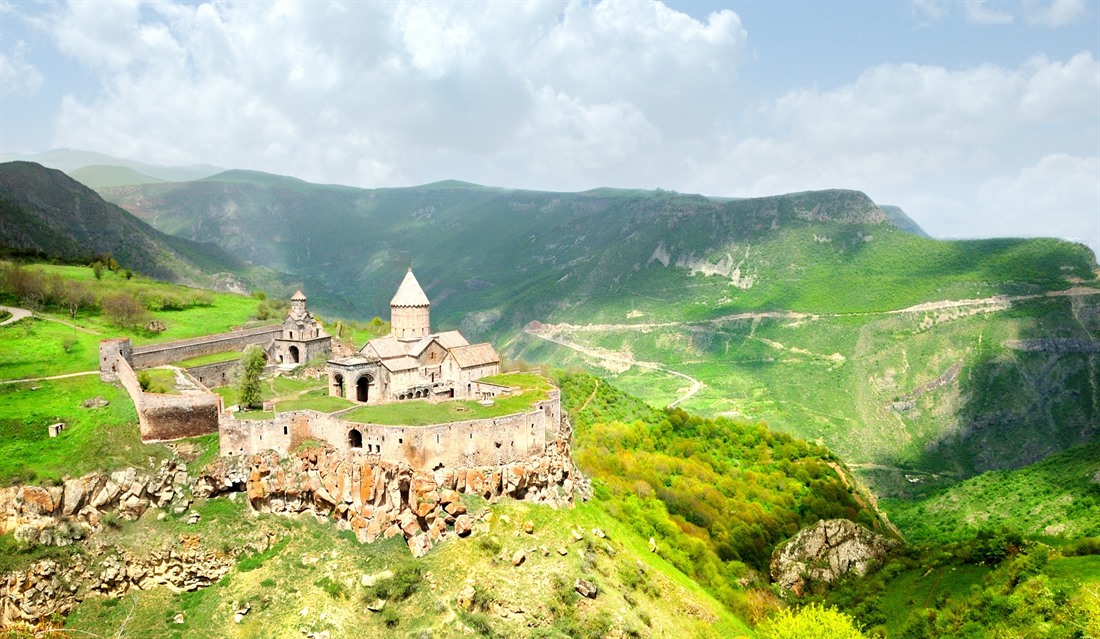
(95, 402)
(562, 551)
(577, 536)
(377, 605)
(652, 545)
(519, 557)
(193, 518)
(463, 525)
(241, 612)
(599, 533)
(178, 619)
(529, 527)
(585, 588)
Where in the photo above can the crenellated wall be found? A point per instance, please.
(479, 442)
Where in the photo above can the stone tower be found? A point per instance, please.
(410, 310)
(298, 305)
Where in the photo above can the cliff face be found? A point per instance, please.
(381, 498)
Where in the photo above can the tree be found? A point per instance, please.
(74, 294)
(809, 622)
(97, 269)
(124, 311)
(252, 364)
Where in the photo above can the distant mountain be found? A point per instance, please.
(69, 160)
(899, 219)
(98, 176)
(45, 210)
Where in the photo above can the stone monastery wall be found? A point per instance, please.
(480, 442)
(168, 352)
(162, 417)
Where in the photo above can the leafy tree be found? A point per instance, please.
(252, 365)
(809, 622)
(97, 269)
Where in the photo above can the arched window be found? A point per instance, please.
(355, 438)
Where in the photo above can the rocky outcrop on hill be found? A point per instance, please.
(826, 551)
(60, 515)
(376, 498)
(48, 587)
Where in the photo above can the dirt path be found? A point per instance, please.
(42, 379)
(20, 313)
(620, 358)
(16, 314)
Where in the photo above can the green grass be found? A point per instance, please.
(35, 347)
(1055, 497)
(104, 438)
(161, 380)
(213, 358)
(324, 404)
(424, 413)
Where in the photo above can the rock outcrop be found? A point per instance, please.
(826, 551)
(60, 515)
(376, 498)
(47, 588)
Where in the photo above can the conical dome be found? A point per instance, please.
(410, 293)
(410, 310)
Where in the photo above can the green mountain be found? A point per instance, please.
(47, 212)
(920, 361)
(97, 176)
(70, 160)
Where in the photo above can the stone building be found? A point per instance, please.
(412, 362)
(302, 337)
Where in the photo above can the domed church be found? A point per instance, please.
(412, 362)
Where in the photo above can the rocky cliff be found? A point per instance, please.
(375, 498)
(825, 552)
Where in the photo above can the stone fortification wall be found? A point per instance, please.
(479, 442)
(376, 497)
(213, 375)
(168, 352)
(164, 417)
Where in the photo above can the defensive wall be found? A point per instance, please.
(213, 375)
(159, 354)
(164, 417)
(493, 441)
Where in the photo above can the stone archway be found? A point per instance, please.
(338, 384)
(355, 438)
(294, 356)
(362, 388)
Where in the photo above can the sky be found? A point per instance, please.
(978, 118)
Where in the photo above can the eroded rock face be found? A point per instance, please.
(47, 588)
(374, 498)
(826, 551)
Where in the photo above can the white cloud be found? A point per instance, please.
(258, 85)
(980, 12)
(1059, 196)
(1057, 14)
(17, 76)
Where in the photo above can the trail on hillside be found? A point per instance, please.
(42, 379)
(555, 332)
(620, 358)
(21, 313)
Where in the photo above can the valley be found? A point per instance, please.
(733, 372)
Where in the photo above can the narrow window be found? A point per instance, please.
(286, 430)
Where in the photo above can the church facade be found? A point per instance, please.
(412, 362)
(302, 337)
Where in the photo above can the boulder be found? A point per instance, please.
(519, 557)
(463, 525)
(826, 551)
(585, 588)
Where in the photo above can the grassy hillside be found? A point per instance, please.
(1058, 496)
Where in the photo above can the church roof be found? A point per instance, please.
(475, 355)
(410, 293)
(298, 295)
(401, 364)
(386, 347)
(451, 339)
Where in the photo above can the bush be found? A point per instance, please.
(809, 622)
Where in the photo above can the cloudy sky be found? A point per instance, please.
(979, 118)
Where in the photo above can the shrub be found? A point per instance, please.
(809, 622)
